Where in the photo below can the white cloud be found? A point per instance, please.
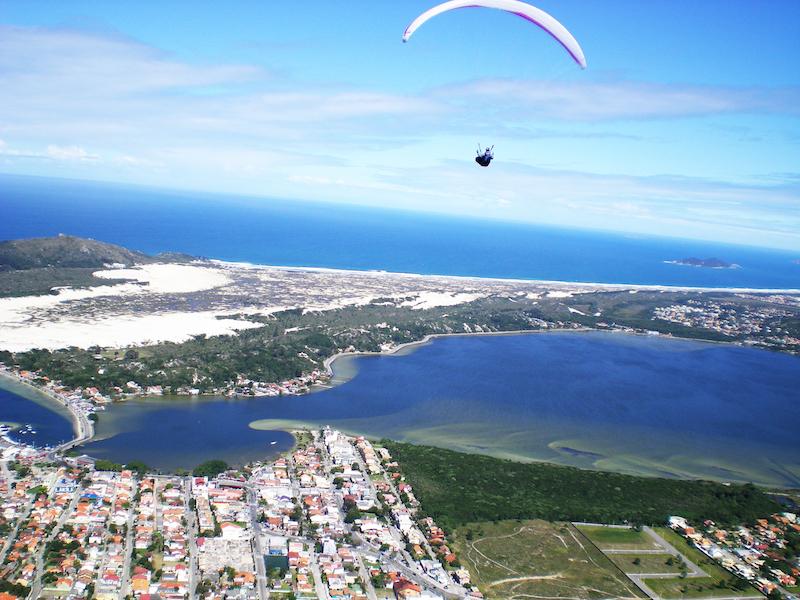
(92, 105)
(101, 66)
(595, 101)
(69, 153)
(662, 205)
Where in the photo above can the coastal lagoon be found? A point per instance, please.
(34, 418)
(636, 404)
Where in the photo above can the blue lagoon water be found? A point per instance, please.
(597, 400)
(21, 406)
(296, 233)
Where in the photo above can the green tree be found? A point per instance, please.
(210, 468)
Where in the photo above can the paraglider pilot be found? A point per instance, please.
(485, 157)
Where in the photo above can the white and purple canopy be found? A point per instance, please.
(517, 7)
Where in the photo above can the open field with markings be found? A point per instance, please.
(537, 559)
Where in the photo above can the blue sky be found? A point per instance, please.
(686, 123)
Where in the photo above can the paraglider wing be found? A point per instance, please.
(517, 7)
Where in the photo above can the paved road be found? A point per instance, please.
(692, 568)
(12, 535)
(414, 575)
(362, 570)
(425, 544)
(321, 588)
(126, 564)
(36, 587)
(192, 533)
(84, 428)
(258, 553)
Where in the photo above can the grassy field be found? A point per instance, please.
(718, 583)
(537, 559)
(645, 563)
(617, 538)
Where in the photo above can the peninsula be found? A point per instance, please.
(171, 324)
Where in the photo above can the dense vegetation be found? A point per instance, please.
(457, 488)
(65, 251)
(210, 468)
(103, 464)
(36, 266)
(35, 282)
(289, 344)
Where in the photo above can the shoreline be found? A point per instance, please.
(397, 350)
(82, 427)
(545, 282)
(411, 346)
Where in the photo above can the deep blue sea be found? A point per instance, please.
(280, 232)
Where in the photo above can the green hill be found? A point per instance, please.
(66, 251)
(38, 265)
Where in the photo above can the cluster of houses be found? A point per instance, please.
(80, 401)
(161, 546)
(356, 516)
(241, 386)
(295, 386)
(335, 517)
(35, 510)
(224, 545)
(88, 400)
(14, 504)
(95, 529)
(764, 553)
(729, 320)
(277, 508)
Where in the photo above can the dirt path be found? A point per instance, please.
(474, 546)
(525, 578)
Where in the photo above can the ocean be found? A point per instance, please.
(293, 233)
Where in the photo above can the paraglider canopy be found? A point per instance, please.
(517, 7)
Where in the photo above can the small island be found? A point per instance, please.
(709, 263)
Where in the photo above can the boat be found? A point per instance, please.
(272, 443)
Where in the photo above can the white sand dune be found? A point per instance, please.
(20, 330)
(128, 330)
(170, 278)
(172, 302)
(433, 299)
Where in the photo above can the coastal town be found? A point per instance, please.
(333, 518)
(762, 326)
(764, 553)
